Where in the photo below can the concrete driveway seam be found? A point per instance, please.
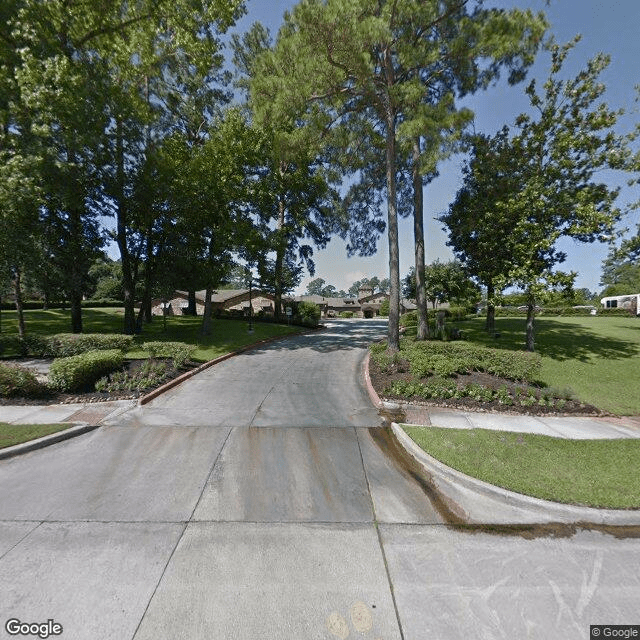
(155, 589)
(45, 441)
(206, 482)
(485, 503)
(375, 524)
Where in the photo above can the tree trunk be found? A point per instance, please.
(393, 335)
(148, 316)
(128, 284)
(205, 329)
(490, 324)
(17, 291)
(192, 310)
(418, 234)
(75, 300)
(279, 266)
(531, 302)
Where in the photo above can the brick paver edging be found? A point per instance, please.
(189, 374)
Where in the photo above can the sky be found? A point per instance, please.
(610, 26)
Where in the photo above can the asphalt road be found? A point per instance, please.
(261, 500)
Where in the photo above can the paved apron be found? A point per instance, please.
(260, 500)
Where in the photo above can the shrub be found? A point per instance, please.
(346, 314)
(35, 345)
(17, 381)
(147, 375)
(179, 352)
(409, 319)
(455, 313)
(309, 313)
(80, 371)
(384, 308)
(478, 392)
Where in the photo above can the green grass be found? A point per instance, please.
(226, 335)
(11, 434)
(597, 357)
(595, 473)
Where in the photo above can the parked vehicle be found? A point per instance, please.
(630, 302)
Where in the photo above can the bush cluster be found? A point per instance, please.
(445, 359)
(80, 371)
(17, 381)
(614, 312)
(461, 357)
(179, 352)
(445, 389)
(62, 345)
(564, 311)
(308, 314)
(410, 319)
(346, 314)
(147, 375)
(38, 305)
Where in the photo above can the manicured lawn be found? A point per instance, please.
(227, 335)
(598, 357)
(11, 434)
(596, 473)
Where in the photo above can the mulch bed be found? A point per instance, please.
(381, 381)
(92, 396)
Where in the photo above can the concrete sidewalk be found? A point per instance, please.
(570, 427)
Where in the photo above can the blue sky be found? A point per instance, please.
(610, 26)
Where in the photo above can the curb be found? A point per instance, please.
(45, 441)
(470, 499)
(375, 398)
(189, 374)
(476, 498)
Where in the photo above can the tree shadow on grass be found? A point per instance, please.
(561, 340)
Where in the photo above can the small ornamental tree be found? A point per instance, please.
(551, 192)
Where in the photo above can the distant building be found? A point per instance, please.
(234, 301)
(367, 305)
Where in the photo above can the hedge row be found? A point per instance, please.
(38, 305)
(446, 359)
(81, 371)
(62, 345)
(410, 318)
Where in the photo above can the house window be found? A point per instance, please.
(612, 304)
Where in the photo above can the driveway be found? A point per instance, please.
(261, 499)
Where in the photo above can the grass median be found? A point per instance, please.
(594, 473)
(12, 434)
